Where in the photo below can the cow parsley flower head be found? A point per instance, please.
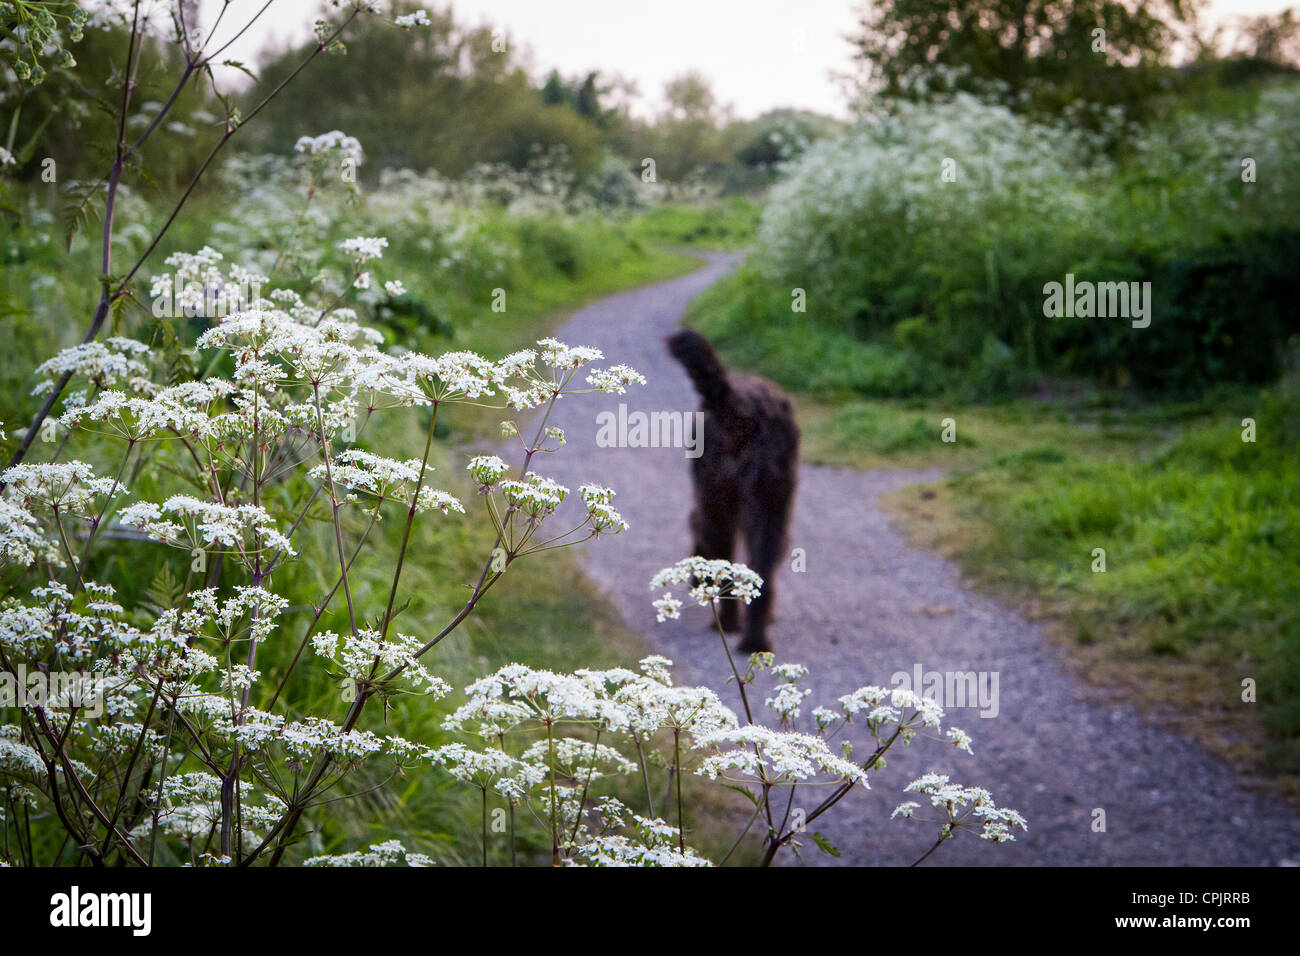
(653, 843)
(534, 495)
(546, 697)
(824, 717)
(306, 739)
(487, 470)
(657, 668)
(905, 810)
(389, 853)
(21, 542)
(518, 364)
(417, 18)
(965, 807)
(250, 612)
(103, 364)
(491, 717)
(786, 700)
(556, 353)
(492, 769)
(178, 410)
(349, 147)
(579, 759)
(924, 710)
(601, 514)
(709, 581)
(16, 756)
(781, 757)
(667, 608)
(960, 739)
(912, 712)
(68, 487)
(615, 379)
(245, 529)
(452, 376)
(358, 654)
(387, 479)
(364, 248)
(191, 806)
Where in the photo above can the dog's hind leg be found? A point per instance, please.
(765, 536)
(714, 528)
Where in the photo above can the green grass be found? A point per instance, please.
(1201, 534)
(910, 434)
(723, 224)
(906, 288)
(591, 259)
(751, 318)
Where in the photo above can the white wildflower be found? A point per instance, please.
(710, 581)
(389, 853)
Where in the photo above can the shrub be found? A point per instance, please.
(931, 231)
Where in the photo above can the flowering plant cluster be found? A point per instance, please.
(257, 451)
(959, 162)
(229, 450)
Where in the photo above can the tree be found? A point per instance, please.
(587, 100)
(1047, 53)
(441, 97)
(778, 135)
(555, 93)
(1274, 39)
(688, 132)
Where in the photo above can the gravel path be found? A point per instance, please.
(867, 607)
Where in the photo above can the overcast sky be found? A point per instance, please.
(760, 54)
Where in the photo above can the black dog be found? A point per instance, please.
(745, 476)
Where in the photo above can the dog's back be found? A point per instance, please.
(746, 473)
(753, 434)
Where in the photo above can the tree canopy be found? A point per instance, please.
(1047, 53)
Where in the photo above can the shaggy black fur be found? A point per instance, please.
(745, 477)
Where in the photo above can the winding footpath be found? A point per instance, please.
(869, 606)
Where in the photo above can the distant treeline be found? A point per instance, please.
(445, 97)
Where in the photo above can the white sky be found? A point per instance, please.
(760, 54)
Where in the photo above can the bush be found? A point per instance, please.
(924, 238)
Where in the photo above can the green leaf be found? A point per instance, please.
(745, 790)
(80, 207)
(116, 309)
(240, 67)
(825, 845)
(166, 592)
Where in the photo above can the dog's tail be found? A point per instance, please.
(701, 363)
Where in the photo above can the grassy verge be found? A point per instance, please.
(724, 224)
(1200, 533)
(547, 305)
(550, 282)
(866, 433)
(1202, 577)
